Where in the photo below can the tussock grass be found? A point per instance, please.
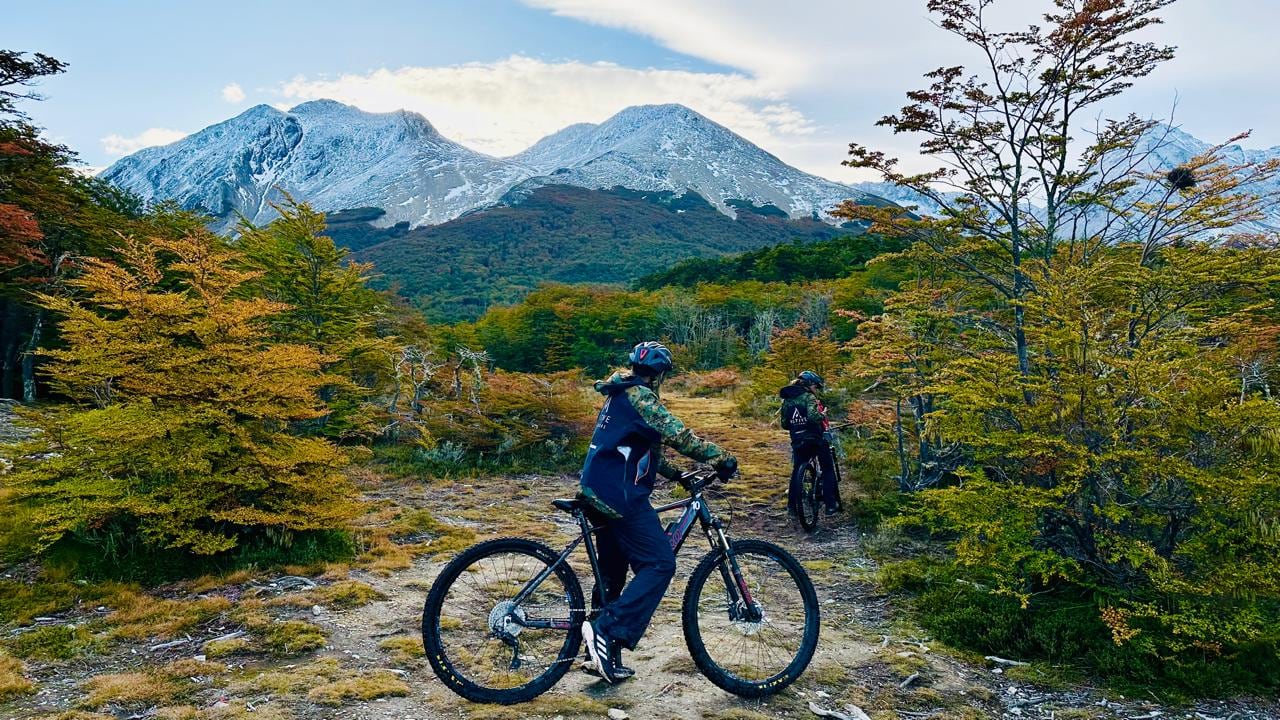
(13, 679)
(290, 681)
(223, 648)
(55, 642)
(549, 705)
(389, 537)
(130, 689)
(344, 594)
(140, 616)
(281, 638)
(361, 686)
(293, 637)
(404, 649)
(735, 714)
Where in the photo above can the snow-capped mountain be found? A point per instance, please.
(332, 155)
(337, 157)
(673, 148)
(1164, 148)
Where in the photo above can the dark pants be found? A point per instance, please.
(801, 454)
(637, 541)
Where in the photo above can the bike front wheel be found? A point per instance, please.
(488, 644)
(751, 630)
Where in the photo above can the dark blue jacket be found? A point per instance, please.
(622, 461)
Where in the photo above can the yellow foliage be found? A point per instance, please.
(186, 443)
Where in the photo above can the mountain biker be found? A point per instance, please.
(805, 417)
(622, 463)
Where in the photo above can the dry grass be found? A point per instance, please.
(404, 649)
(361, 686)
(390, 536)
(345, 594)
(544, 706)
(139, 616)
(735, 714)
(206, 583)
(192, 668)
(130, 689)
(290, 681)
(13, 679)
(281, 638)
(223, 648)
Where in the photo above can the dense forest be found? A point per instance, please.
(1067, 437)
(560, 233)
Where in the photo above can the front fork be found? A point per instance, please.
(742, 607)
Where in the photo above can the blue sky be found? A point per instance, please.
(801, 79)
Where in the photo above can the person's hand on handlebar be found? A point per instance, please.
(725, 467)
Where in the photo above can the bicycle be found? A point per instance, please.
(807, 502)
(502, 622)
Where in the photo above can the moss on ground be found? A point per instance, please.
(54, 642)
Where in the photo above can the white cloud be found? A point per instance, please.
(116, 145)
(233, 93)
(505, 106)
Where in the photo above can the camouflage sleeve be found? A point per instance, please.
(674, 433)
(666, 469)
(817, 418)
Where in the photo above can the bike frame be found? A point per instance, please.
(692, 508)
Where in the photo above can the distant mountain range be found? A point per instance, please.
(339, 157)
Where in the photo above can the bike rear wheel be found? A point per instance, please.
(757, 648)
(486, 647)
(804, 489)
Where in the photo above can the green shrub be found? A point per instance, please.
(1065, 628)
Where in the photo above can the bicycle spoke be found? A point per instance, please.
(753, 650)
(510, 654)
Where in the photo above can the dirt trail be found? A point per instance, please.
(667, 685)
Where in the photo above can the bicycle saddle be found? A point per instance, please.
(567, 504)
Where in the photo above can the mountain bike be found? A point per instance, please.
(503, 621)
(804, 494)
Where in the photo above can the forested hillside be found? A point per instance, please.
(558, 233)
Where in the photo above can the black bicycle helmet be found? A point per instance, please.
(651, 358)
(810, 377)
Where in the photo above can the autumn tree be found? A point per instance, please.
(48, 212)
(180, 437)
(328, 306)
(1084, 356)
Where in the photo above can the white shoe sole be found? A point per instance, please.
(589, 635)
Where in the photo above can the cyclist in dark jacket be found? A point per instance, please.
(804, 416)
(623, 462)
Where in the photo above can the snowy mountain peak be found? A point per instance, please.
(337, 156)
(331, 155)
(673, 148)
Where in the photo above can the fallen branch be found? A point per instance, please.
(170, 644)
(1003, 661)
(910, 679)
